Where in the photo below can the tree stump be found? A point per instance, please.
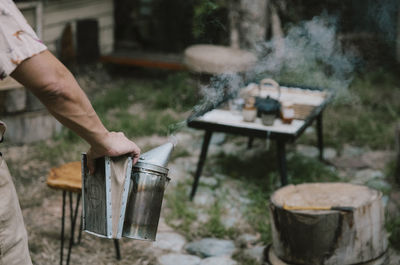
(306, 229)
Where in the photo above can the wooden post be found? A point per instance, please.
(397, 139)
(306, 229)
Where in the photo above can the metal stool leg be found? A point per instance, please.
(62, 228)
(80, 229)
(74, 215)
(117, 249)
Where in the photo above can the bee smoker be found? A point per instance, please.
(121, 200)
(148, 182)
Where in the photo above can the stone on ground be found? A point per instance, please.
(256, 253)
(346, 162)
(307, 150)
(169, 241)
(218, 138)
(378, 159)
(231, 217)
(218, 261)
(178, 259)
(366, 175)
(352, 151)
(204, 197)
(329, 153)
(211, 247)
(209, 181)
(247, 239)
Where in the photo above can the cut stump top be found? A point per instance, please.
(66, 177)
(324, 195)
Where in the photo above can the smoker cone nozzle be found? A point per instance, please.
(158, 156)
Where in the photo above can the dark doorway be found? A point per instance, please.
(167, 25)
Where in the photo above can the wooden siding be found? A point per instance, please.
(58, 13)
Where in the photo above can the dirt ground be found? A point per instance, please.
(42, 211)
(42, 214)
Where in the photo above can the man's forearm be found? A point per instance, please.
(58, 90)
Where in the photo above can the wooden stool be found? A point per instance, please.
(68, 178)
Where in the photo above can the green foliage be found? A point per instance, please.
(210, 21)
(243, 259)
(177, 92)
(154, 122)
(362, 114)
(304, 169)
(370, 119)
(257, 212)
(201, 11)
(393, 228)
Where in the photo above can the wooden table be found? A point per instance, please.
(226, 121)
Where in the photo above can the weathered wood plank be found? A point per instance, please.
(95, 200)
(81, 10)
(53, 33)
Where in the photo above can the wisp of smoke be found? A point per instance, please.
(310, 56)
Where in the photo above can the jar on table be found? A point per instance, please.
(287, 112)
(249, 111)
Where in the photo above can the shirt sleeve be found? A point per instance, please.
(18, 41)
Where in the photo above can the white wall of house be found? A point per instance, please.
(56, 14)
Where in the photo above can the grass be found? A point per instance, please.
(362, 114)
(393, 227)
(261, 179)
(366, 117)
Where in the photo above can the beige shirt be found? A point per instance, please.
(18, 41)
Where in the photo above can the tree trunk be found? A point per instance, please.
(277, 32)
(248, 20)
(305, 229)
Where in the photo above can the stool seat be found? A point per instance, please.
(215, 59)
(67, 177)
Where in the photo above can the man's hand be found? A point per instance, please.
(114, 144)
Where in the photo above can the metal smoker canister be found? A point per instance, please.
(148, 182)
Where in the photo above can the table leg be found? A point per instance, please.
(282, 161)
(250, 143)
(320, 137)
(62, 227)
(200, 164)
